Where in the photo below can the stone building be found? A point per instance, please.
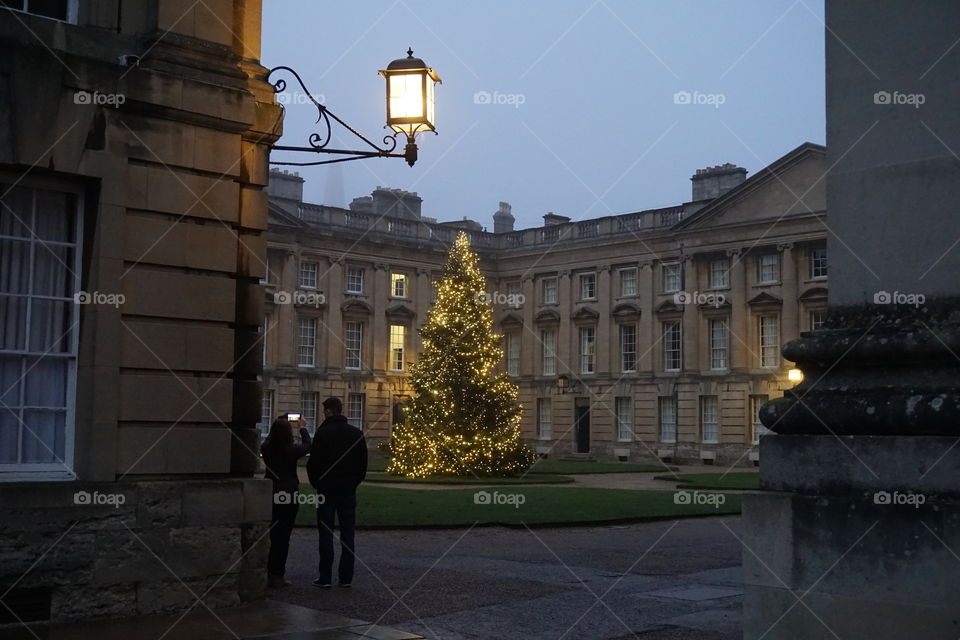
(134, 139)
(650, 334)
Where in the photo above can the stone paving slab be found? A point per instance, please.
(265, 620)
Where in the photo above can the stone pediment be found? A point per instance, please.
(585, 314)
(815, 293)
(511, 320)
(626, 311)
(356, 307)
(669, 306)
(764, 298)
(401, 312)
(548, 316)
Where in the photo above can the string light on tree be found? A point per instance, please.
(464, 418)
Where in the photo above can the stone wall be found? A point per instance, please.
(146, 548)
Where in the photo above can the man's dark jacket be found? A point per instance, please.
(338, 457)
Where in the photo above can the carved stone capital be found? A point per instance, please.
(785, 246)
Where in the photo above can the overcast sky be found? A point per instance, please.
(583, 118)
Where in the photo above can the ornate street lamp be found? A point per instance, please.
(410, 110)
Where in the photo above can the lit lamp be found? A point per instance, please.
(410, 99)
(410, 110)
(795, 376)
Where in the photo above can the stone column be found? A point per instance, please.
(647, 334)
(691, 317)
(790, 313)
(333, 335)
(566, 350)
(608, 342)
(529, 334)
(422, 297)
(739, 312)
(379, 339)
(859, 520)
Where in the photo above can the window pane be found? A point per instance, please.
(43, 436)
(14, 266)
(9, 435)
(16, 212)
(11, 370)
(53, 273)
(46, 382)
(13, 323)
(55, 213)
(50, 326)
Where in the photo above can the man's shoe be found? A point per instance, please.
(277, 582)
(345, 585)
(321, 584)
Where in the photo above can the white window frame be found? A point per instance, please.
(769, 340)
(757, 428)
(544, 418)
(351, 281)
(514, 293)
(768, 268)
(513, 353)
(309, 272)
(588, 349)
(548, 340)
(817, 318)
(63, 469)
(671, 277)
(667, 414)
(710, 419)
(266, 411)
(588, 286)
(398, 285)
(623, 413)
(719, 273)
(719, 332)
(672, 332)
(628, 286)
(818, 263)
(356, 407)
(398, 347)
(353, 345)
(309, 401)
(628, 347)
(306, 342)
(548, 290)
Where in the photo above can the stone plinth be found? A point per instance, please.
(854, 537)
(97, 549)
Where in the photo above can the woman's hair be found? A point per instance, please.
(280, 432)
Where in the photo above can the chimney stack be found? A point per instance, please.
(713, 182)
(503, 220)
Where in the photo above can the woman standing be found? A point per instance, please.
(280, 454)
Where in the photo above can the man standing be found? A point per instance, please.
(337, 465)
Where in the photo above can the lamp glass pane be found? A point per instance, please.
(406, 99)
(430, 107)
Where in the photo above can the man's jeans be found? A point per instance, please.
(345, 509)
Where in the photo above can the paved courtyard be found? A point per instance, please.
(658, 580)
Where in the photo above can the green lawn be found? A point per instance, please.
(539, 478)
(729, 480)
(388, 507)
(568, 467)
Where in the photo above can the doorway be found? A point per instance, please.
(582, 424)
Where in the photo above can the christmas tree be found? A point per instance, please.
(464, 418)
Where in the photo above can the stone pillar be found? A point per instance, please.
(739, 312)
(333, 335)
(790, 313)
(647, 334)
(379, 339)
(529, 335)
(608, 344)
(690, 333)
(566, 349)
(859, 520)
